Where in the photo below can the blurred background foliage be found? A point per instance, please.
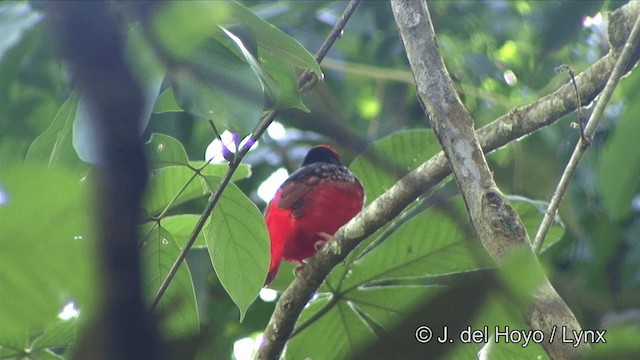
(501, 54)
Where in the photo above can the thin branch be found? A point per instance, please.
(572, 76)
(589, 132)
(305, 78)
(509, 127)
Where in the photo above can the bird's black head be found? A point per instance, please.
(321, 153)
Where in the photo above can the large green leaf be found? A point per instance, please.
(46, 249)
(225, 82)
(281, 81)
(343, 324)
(54, 145)
(273, 39)
(238, 244)
(221, 87)
(177, 308)
(278, 77)
(390, 158)
(431, 243)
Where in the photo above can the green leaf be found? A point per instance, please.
(54, 146)
(275, 40)
(61, 333)
(342, 328)
(177, 306)
(163, 150)
(429, 244)
(46, 249)
(281, 81)
(222, 88)
(181, 226)
(171, 182)
(239, 246)
(387, 160)
(181, 37)
(619, 170)
(166, 102)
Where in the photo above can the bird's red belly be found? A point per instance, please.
(326, 210)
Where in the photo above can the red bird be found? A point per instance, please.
(310, 206)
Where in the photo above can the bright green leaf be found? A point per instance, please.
(181, 227)
(46, 248)
(60, 333)
(239, 246)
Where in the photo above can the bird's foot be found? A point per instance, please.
(298, 268)
(320, 243)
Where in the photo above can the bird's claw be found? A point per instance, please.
(298, 268)
(320, 243)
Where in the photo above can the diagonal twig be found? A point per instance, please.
(589, 132)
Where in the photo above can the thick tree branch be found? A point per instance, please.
(495, 221)
(509, 127)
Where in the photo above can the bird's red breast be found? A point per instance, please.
(319, 197)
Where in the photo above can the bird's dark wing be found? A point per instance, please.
(296, 187)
